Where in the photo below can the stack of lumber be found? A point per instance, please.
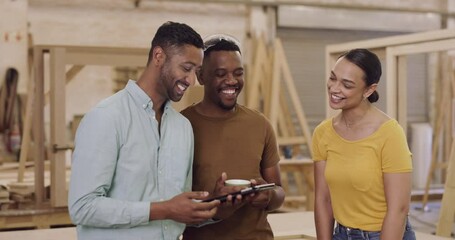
(4, 194)
(21, 193)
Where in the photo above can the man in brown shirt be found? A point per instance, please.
(232, 139)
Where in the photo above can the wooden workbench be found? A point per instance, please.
(285, 226)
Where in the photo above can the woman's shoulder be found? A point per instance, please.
(324, 125)
(385, 123)
(381, 118)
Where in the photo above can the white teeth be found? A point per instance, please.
(228, 91)
(181, 87)
(336, 97)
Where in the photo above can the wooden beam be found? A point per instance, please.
(289, 82)
(391, 85)
(38, 125)
(402, 81)
(275, 87)
(283, 141)
(70, 74)
(393, 40)
(26, 131)
(58, 123)
(257, 75)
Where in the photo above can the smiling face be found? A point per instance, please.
(179, 71)
(346, 85)
(222, 77)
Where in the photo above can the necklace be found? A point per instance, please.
(353, 124)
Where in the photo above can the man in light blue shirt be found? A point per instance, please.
(132, 164)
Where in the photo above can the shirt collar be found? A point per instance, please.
(141, 98)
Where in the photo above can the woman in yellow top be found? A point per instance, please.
(362, 160)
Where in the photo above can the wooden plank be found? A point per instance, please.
(67, 233)
(424, 47)
(448, 137)
(447, 211)
(96, 55)
(33, 218)
(253, 95)
(393, 40)
(266, 83)
(38, 125)
(28, 114)
(293, 94)
(275, 88)
(26, 132)
(402, 81)
(57, 122)
(282, 141)
(443, 103)
(391, 85)
(111, 59)
(70, 74)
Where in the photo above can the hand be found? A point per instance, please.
(221, 189)
(260, 199)
(232, 203)
(186, 208)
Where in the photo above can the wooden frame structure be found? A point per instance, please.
(270, 71)
(270, 83)
(395, 56)
(59, 58)
(396, 50)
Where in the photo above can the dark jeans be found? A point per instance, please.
(344, 233)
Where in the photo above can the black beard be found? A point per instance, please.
(225, 107)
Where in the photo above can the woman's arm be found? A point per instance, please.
(397, 188)
(323, 215)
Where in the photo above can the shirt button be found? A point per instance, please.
(165, 227)
(144, 105)
(159, 171)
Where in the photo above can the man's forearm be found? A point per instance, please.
(276, 199)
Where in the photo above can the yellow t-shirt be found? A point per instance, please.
(354, 171)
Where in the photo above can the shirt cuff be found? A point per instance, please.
(140, 213)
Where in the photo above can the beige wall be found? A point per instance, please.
(121, 23)
(13, 39)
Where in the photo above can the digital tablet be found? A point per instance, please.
(243, 192)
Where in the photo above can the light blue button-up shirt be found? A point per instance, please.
(121, 163)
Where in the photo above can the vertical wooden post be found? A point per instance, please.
(402, 84)
(441, 113)
(57, 137)
(26, 132)
(38, 125)
(391, 86)
(275, 88)
(447, 211)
